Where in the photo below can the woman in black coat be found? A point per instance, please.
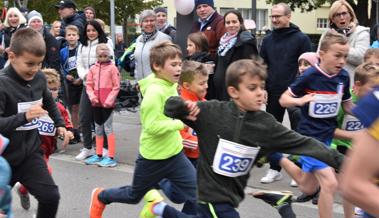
(237, 43)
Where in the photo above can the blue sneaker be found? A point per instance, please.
(107, 162)
(94, 159)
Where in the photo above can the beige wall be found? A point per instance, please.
(307, 21)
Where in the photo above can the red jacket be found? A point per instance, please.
(188, 134)
(103, 84)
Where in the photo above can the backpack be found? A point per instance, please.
(127, 61)
(128, 96)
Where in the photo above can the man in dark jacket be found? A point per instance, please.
(280, 51)
(69, 16)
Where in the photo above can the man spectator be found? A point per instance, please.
(280, 51)
(90, 13)
(69, 16)
(211, 24)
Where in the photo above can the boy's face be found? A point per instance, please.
(334, 59)
(171, 69)
(373, 60)
(26, 64)
(362, 89)
(303, 66)
(250, 95)
(72, 37)
(198, 86)
(54, 89)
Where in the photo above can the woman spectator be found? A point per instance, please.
(162, 23)
(150, 36)
(237, 43)
(342, 19)
(14, 20)
(93, 35)
(90, 13)
(55, 31)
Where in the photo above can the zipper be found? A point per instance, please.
(89, 54)
(143, 73)
(237, 132)
(98, 84)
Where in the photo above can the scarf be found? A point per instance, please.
(147, 36)
(227, 41)
(344, 31)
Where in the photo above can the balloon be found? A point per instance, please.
(184, 7)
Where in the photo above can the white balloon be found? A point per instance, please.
(184, 7)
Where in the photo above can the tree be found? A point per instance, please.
(361, 8)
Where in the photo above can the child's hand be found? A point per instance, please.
(35, 111)
(194, 110)
(77, 82)
(306, 99)
(66, 135)
(70, 78)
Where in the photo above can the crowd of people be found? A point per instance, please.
(68, 82)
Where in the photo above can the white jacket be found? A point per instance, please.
(87, 57)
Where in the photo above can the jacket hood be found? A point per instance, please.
(284, 32)
(246, 36)
(152, 79)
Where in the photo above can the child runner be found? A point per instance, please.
(193, 83)
(5, 189)
(372, 56)
(320, 92)
(47, 130)
(103, 85)
(68, 57)
(231, 134)
(160, 153)
(24, 97)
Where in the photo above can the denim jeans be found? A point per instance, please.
(148, 173)
(5, 190)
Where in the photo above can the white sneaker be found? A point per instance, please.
(271, 176)
(358, 212)
(105, 152)
(293, 183)
(84, 153)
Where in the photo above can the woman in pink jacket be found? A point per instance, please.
(103, 85)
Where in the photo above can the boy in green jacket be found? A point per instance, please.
(161, 151)
(231, 135)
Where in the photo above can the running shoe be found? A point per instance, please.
(304, 197)
(151, 198)
(97, 207)
(274, 198)
(93, 160)
(107, 162)
(84, 153)
(22, 192)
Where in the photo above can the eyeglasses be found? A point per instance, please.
(342, 14)
(276, 16)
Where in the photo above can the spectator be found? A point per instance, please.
(69, 16)
(55, 31)
(162, 23)
(212, 25)
(120, 45)
(90, 13)
(286, 38)
(237, 43)
(343, 20)
(150, 36)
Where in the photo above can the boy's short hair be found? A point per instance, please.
(364, 72)
(331, 38)
(28, 40)
(190, 69)
(371, 52)
(240, 68)
(163, 51)
(72, 28)
(52, 76)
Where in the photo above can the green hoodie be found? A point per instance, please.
(160, 138)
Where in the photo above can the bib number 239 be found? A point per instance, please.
(234, 164)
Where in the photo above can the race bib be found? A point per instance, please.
(46, 126)
(325, 105)
(71, 63)
(351, 123)
(23, 107)
(233, 159)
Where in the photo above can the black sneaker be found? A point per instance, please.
(304, 197)
(315, 198)
(24, 198)
(274, 198)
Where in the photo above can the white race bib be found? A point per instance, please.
(23, 107)
(233, 159)
(351, 123)
(325, 105)
(46, 126)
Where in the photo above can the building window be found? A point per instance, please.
(224, 10)
(322, 23)
(261, 18)
(247, 13)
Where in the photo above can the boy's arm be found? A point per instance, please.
(343, 134)
(281, 139)
(11, 122)
(187, 111)
(348, 106)
(288, 99)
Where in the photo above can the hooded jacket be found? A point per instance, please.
(160, 138)
(77, 20)
(103, 84)
(244, 48)
(280, 51)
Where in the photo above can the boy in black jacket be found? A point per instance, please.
(231, 135)
(24, 97)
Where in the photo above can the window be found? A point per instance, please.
(322, 23)
(247, 13)
(224, 10)
(262, 15)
